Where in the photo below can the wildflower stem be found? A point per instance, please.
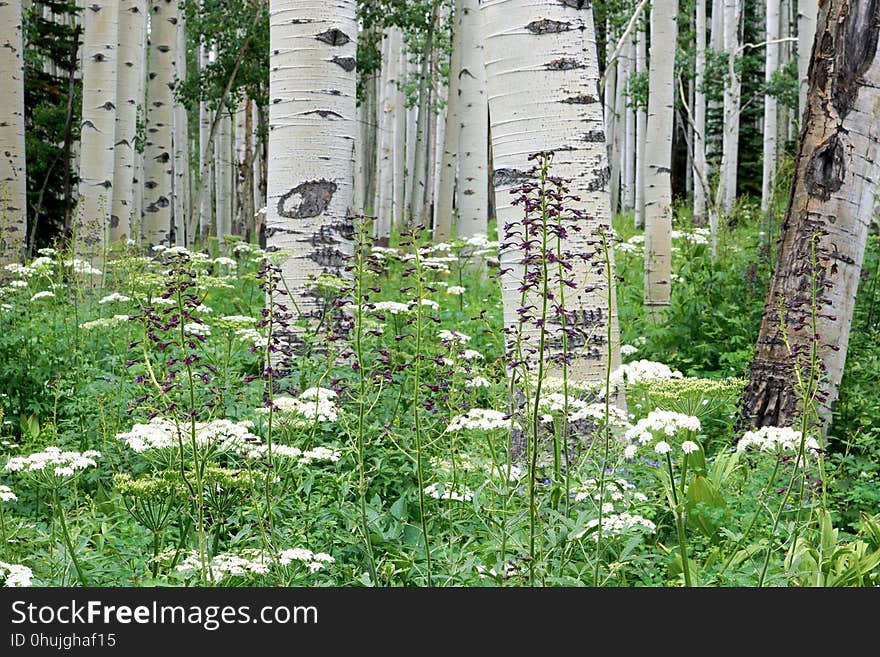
(66, 535)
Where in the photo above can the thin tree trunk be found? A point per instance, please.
(726, 194)
(771, 114)
(700, 115)
(181, 145)
(13, 178)
(658, 157)
(223, 175)
(389, 110)
(473, 139)
(629, 141)
(641, 133)
(449, 161)
(158, 155)
(98, 132)
(831, 204)
(808, 11)
(418, 175)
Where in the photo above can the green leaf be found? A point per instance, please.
(701, 495)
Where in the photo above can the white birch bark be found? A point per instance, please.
(628, 180)
(180, 138)
(473, 139)
(223, 176)
(449, 161)
(699, 144)
(158, 154)
(830, 209)
(129, 83)
(542, 70)
(641, 130)
(808, 10)
(13, 179)
(398, 201)
(389, 110)
(716, 45)
(658, 156)
(98, 131)
(311, 146)
(726, 193)
(771, 114)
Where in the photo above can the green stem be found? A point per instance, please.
(679, 525)
(67, 542)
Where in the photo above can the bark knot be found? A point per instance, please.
(308, 199)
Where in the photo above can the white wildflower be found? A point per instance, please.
(776, 439)
(115, 297)
(481, 419)
(6, 494)
(472, 354)
(197, 328)
(689, 446)
(43, 295)
(455, 290)
(15, 575)
(453, 336)
(662, 447)
(478, 382)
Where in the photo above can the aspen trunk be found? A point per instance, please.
(629, 142)
(542, 70)
(473, 164)
(658, 156)
(641, 136)
(312, 114)
(771, 113)
(98, 132)
(158, 154)
(386, 171)
(449, 161)
(701, 175)
(808, 11)
(726, 193)
(831, 204)
(223, 176)
(180, 138)
(13, 179)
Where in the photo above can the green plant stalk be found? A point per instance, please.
(66, 535)
(767, 488)
(606, 433)
(679, 524)
(416, 414)
(3, 535)
(362, 399)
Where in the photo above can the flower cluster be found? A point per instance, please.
(618, 523)
(301, 457)
(666, 422)
(162, 433)
(643, 370)
(776, 439)
(6, 494)
(55, 461)
(312, 405)
(444, 492)
(254, 562)
(15, 575)
(481, 419)
(555, 404)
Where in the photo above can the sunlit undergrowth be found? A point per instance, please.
(156, 432)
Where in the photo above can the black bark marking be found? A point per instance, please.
(310, 199)
(580, 99)
(577, 4)
(108, 106)
(163, 48)
(99, 57)
(324, 114)
(563, 64)
(107, 184)
(546, 26)
(114, 221)
(508, 177)
(594, 136)
(333, 37)
(826, 170)
(346, 63)
(855, 49)
(600, 181)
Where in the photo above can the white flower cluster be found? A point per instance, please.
(666, 422)
(643, 370)
(301, 457)
(43, 295)
(455, 290)
(114, 297)
(453, 336)
(83, 267)
(472, 354)
(478, 382)
(253, 336)
(54, 460)
(224, 565)
(6, 494)
(103, 322)
(618, 523)
(161, 433)
(617, 490)
(628, 350)
(776, 439)
(197, 328)
(314, 404)
(697, 237)
(393, 307)
(442, 492)
(555, 403)
(482, 419)
(15, 575)
(314, 560)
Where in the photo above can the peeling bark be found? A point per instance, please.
(831, 202)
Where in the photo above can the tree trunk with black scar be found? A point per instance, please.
(832, 200)
(658, 157)
(542, 70)
(98, 131)
(13, 182)
(311, 142)
(158, 152)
